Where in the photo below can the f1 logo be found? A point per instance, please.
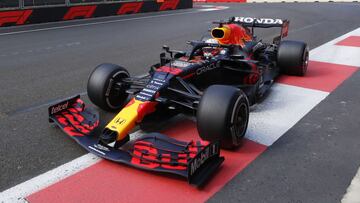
(133, 7)
(80, 11)
(18, 17)
(169, 5)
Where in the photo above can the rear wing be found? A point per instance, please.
(264, 23)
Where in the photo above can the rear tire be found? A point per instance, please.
(101, 89)
(293, 57)
(223, 115)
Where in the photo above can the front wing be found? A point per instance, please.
(194, 160)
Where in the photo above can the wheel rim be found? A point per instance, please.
(239, 120)
(306, 61)
(115, 97)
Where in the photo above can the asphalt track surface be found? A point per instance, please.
(38, 67)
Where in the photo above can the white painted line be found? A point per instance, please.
(19, 192)
(281, 110)
(355, 32)
(343, 55)
(353, 192)
(209, 9)
(110, 21)
(331, 53)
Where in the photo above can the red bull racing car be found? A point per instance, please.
(215, 81)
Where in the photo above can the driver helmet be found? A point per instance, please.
(209, 52)
(212, 41)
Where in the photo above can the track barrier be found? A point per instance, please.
(41, 11)
(269, 1)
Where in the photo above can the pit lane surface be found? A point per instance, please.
(38, 67)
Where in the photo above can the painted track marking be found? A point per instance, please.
(353, 41)
(344, 55)
(281, 110)
(353, 192)
(17, 193)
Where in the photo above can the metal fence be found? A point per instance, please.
(21, 4)
(9, 4)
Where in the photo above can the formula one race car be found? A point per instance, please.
(216, 81)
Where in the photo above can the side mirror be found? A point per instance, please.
(166, 48)
(162, 59)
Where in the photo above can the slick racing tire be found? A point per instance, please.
(293, 57)
(102, 88)
(223, 115)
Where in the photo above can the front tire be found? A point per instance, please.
(293, 57)
(223, 115)
(101, 87)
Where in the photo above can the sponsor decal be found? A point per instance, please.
(146, 94)
(202, 157)
(101, 147)
(120, 121)
(171, 70)
(156, 83)
(268, 21)
(96, 150)
(149, 91)
(205, 69)
(139, 97)
(180, 64)
(163, 81)
(152, 87)
(58, 108)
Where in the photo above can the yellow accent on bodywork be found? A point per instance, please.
(125, 120)
(226, 30)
